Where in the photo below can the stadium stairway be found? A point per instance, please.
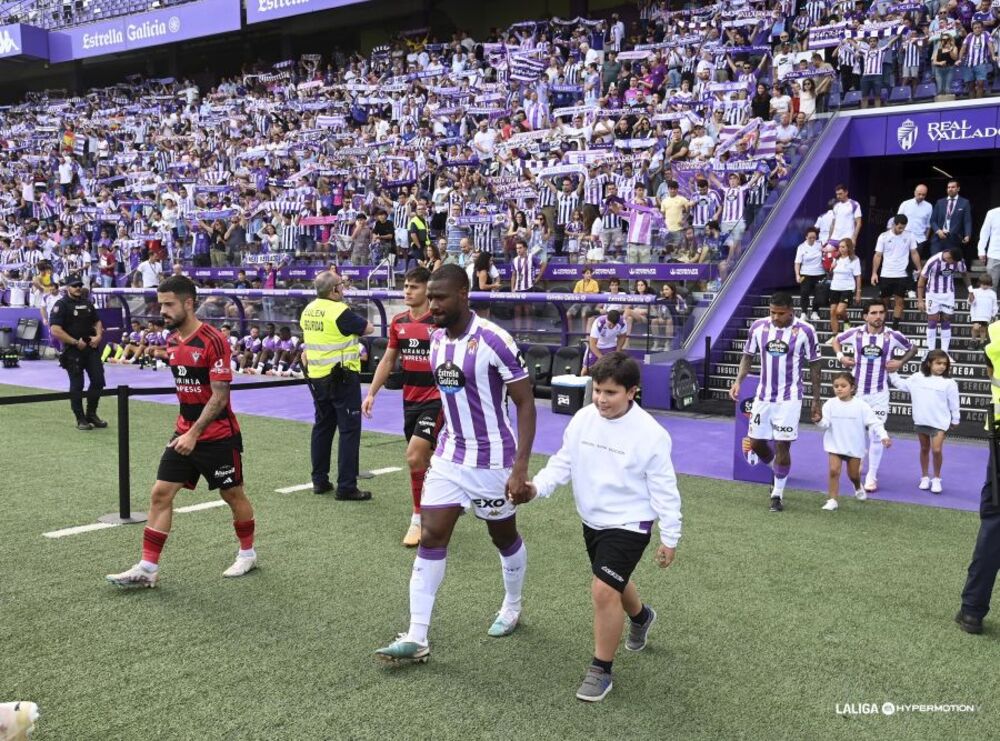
(968, 368)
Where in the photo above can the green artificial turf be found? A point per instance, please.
(766, 622)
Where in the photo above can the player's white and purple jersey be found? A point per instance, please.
(783, 351)
(472, 372)
(288, 345)
(871, 353)
(251, 343)
(940, 275)
(270, 342)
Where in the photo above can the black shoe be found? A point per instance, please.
(776, 504)
(97, 421)
(82, 424)
(322, 488)
(968, 623)
(353, 496)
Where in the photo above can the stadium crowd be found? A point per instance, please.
(586, 140)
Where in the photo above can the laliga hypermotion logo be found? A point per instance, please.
(906, 134)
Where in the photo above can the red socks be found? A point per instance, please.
(244, 531)
(417, 488)
(152, 544)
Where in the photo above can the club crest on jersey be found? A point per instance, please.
(777, 347)
(196, 355)
(473, 346)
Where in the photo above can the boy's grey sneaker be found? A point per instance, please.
(596, 685)
(636, 640)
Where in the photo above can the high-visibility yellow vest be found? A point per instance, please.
(993, 353)
(325, 345)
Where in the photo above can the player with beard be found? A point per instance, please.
(410, 336)
(872, 347)
(785, 344)
(478, 462)
(206, 441)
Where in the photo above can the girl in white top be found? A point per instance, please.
(845, 284)
(934, 404)
(982, 308)
(846, 421)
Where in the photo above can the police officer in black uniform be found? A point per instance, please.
(74, 322)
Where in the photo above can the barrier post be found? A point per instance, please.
(706, 368)
(125, 514)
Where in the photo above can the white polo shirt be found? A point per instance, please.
(844, 215)
(895, 250)
(918, 217)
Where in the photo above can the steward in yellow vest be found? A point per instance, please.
(331, 335)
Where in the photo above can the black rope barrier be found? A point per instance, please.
(125, 515)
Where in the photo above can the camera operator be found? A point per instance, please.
(74, 322)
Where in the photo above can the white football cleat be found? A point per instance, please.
(135, 578)
(936, 486)
(831, 505)
(925, 483)
(17, 720)
(242, 565)
(871, 485)
(861, 495)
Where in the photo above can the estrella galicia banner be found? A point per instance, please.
(163, 26)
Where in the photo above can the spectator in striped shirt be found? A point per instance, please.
(872, 55)
(526, 269)
(567, 201)
(979, 58)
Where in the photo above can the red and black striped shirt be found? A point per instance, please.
(412, 337)
(196, 362)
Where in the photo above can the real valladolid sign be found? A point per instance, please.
(957, 130)
(925, 132)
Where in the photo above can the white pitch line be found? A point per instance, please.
(79, 529)
(203, 505)
(103, 525)
(303, 487)
(291, 489)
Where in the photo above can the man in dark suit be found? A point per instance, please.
(951, 221)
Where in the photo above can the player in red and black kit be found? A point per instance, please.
(410, 336)
(206, 442)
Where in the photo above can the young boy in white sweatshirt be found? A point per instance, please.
(618, 458)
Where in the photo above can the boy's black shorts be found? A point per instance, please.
(614, 554)
(219, 461)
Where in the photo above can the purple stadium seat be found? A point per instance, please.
(900, 94)
(925, 91)
(851, 100)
